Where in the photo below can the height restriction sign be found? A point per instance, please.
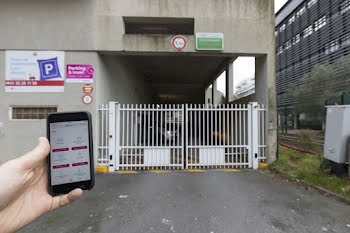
(178, 42)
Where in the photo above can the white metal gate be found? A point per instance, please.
(135, 137)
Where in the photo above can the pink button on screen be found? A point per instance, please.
(61, 166)
(79, 148)
(60, 149)
(79, 164)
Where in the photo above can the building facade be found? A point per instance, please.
(309, 32)
(129, 45)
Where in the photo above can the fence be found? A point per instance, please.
(137, 137)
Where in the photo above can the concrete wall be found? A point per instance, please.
(51, 24)
(19, 136)
(265, 93)
(121, 82)
(218, 97)
(98, 24)
(231, 17)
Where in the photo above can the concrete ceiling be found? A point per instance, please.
(178, 75)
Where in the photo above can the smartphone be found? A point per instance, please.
(70, 162)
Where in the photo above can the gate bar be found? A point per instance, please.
(112, 135)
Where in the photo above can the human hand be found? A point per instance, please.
(23, 189)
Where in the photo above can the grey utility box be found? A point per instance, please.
(337, 133)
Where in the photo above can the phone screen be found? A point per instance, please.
(69, 155)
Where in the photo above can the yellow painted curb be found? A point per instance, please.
(159, 171)
(228, 170)
(263, 165)
(194, 170)
(127, 172)
(103, 169)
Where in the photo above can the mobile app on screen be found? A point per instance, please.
(69, 152)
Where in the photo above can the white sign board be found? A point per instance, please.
(34, 71)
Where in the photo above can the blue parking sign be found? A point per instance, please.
(49, 69)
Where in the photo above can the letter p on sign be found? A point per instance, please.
(49, 69)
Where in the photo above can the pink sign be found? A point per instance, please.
(79, 73)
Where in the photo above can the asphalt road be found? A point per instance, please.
(210, 202)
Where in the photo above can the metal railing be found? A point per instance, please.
(103, 141)
(217, 136)
(138, 137)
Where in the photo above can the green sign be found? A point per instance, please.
(209, 41)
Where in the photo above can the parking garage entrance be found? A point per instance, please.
(180, 136)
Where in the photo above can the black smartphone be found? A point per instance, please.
(70, 162)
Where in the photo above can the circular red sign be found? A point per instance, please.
(87, 99)
(179, 42)
(88, 88)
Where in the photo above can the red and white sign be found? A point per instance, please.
(179, 42)
(88, 88)
(34, 71)
(87, 99)
(79, 73)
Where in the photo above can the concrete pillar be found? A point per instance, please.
(265, 93)
(229, 83)
(215, 96)
(208, 96)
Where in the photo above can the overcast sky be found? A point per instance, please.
(244, 67)
(279, 4)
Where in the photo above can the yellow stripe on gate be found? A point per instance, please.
(194, 170)
(159, 171)
(127, 172)
(263, 165)
(102, 169)
(228, 170)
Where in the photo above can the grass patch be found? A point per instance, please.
(304, 166)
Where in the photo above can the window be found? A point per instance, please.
(301, 12)
(276, 33)
(280, 50)
(158, 25)
(288, 45)
(332, 47)
(296, 39)
(344, 6)
(308, 31)
(282, 28)
(345, 42)
(311, 3)
(291, 20)
(320, 23)
(32, 112)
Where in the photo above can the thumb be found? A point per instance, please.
(66, 199)
(37, 155)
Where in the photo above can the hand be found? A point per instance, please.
(23, 189)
